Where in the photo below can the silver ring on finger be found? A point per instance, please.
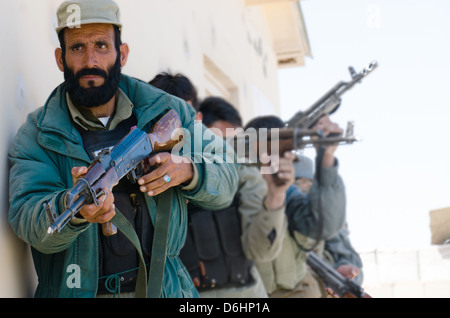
(166, 178)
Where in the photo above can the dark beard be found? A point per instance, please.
(92, 96)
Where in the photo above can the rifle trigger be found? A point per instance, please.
(134, 174)
(96, 201)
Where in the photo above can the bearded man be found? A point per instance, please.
(94, 109)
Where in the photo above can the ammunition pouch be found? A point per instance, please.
(213, 252)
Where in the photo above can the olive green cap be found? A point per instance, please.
(74, 13)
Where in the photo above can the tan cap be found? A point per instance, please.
(73, 14)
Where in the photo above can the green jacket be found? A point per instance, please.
(45, 149)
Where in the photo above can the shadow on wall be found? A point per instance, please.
(16, 262)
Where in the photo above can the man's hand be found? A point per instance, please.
(276, 194)
(328, 127)
(92, 213)
(171, 171)
(348, 271)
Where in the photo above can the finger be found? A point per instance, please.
(94, 214)
(159, 189)
(286, 163)
(107, 199)
(106, 216)
(286, 176)
(354, 272)
(161, 170)
(91, 211)
(77, 173)
(153, 179)
(327, 126)
(338, 130)
(321, 122)
(155, 160)
(153, 185)
(159, 158)
(173, 176)
(267, 160)
(285, 173)
(332, 128)
(329, 291)
(289, 155)
(176, 169)
(286, 166)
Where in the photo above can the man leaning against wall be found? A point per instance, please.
(91, 110)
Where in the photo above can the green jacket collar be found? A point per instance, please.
(149, 104)
(89, 122)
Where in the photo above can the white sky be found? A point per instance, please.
(401, 169)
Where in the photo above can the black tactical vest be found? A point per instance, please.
(119, 259)
(213, 252)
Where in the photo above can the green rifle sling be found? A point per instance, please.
(159, 248)
(153, 288)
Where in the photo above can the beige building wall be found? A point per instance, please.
(440, 226)
(230, 48)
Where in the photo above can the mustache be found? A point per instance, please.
(92, 96)
(91, 71)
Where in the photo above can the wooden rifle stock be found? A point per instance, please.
(166, 133)
(162, 139)
(276, 141)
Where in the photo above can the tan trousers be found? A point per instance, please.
(309, 287)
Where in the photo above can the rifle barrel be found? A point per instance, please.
(333, 279)
(67, 215)
(330, 101)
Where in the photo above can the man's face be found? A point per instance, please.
(224, 128)
(91, 64)
(303, 184)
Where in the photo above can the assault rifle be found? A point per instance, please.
(341, 286)
(251, 144)
(329, 102)
(298, 132)
(110, 166)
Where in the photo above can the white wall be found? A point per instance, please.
(407, 273)
(177, 34)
